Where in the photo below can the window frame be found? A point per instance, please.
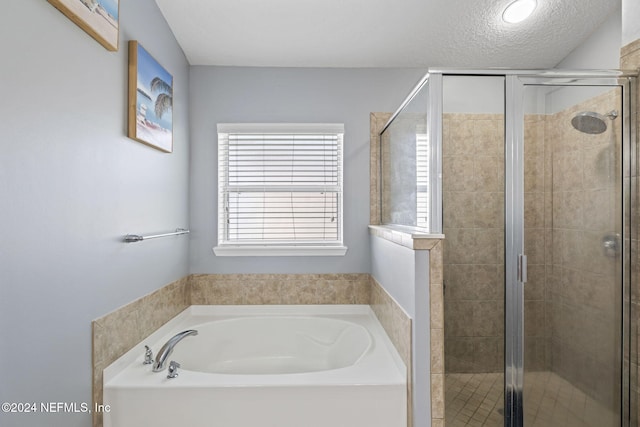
(265, 247)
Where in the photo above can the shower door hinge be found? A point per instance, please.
(522, 268)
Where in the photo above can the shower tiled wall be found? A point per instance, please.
(473, 199)
(583, 285)
(473, 203)
(537, 208)
(570, 293)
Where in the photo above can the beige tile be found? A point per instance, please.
(299, 293)
(534, 318)
(534, 173)
(534, 210)
(117, 332)
(460, 284)
(256, 292)
(460, 140)
(376, 123)
(437, 307)
(437, 396)
(458, 173)
(488, 210)
(488, 138)
(568, 209)
(572, 170)
(460, 245)
(459, 320)
(631, 53)
(487, 318)
(487, 281)
(362, 289)
(486, 248)
(217, 289)
(489, 173)
(436, 264)
(437, 351)
(393, 319)
(459, 354)
(426, 243)
(534, 245)
(458, 209)
(488, 354)
(599, 166)
(534, 290)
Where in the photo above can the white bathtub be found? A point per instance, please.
(264, 366)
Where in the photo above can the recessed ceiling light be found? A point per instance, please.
(518, 11)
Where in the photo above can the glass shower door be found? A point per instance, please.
(473, 222)
(572, 301)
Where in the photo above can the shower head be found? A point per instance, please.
(592, 123)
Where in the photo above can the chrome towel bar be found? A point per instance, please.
(131, 238)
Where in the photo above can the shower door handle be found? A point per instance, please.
(522, 268)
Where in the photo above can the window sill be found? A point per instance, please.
(280, 250)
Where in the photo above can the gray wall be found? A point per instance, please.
(71, 185)
(630, 27)
(601, 50)
(231, 94)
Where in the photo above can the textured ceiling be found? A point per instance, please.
(380, 33)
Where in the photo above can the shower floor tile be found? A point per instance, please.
(550, 401)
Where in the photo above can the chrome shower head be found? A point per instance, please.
(592, 123)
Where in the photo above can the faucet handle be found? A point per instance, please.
(148, 356)
(173, 369)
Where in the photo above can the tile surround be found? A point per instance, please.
(473, 201)
(377, 122)
(436, 302)
(398, 327)
(581, 299)
(563, 210)
(116, 333)
(224, 289)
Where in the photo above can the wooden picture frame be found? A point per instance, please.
(98, 18)
(150, 100)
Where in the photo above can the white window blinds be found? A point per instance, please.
(280, 184)
(422, 180)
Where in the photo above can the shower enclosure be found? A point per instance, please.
(529, 176)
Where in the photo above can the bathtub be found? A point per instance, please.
(264, 366)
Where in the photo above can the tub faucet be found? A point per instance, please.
(148, 356)
(173, 369)
(167, 349)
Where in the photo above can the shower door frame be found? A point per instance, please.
(515, 257)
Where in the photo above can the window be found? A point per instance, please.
(280, 189)
(422, 181)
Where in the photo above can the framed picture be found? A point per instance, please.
(99, 18)
(150, 100)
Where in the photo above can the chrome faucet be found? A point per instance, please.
(148, 356)
(167, 349)
(173, 369)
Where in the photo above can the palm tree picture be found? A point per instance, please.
(150, 100)
(164, 101)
